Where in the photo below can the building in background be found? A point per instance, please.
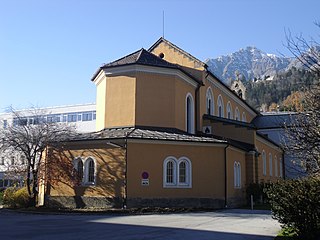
(82, 116)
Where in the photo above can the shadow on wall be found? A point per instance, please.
(65, 189)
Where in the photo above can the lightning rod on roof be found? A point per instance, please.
(163, 23)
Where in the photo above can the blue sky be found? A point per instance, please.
(50, 49)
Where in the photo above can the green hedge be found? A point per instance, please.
(296, 204)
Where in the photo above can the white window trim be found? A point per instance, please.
(229, 110)
(270, 164)
(281, 168)
(237, 114)
(176, 183)
(165, 162)
(210, 96)
(276, 174)
(220, 104)
(264, 163)
(85, 170)
(244, 118)
(192, 113)
(237, 174)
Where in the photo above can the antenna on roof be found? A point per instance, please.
(163, 23)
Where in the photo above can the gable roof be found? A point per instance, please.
(176, 48)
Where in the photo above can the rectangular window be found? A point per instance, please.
(72, 117)
(94, 115)
(64, 118)
(2, 161)
(87, 116)
(5, 124)
(79, 117)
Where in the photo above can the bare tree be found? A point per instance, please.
(303, 134)
(29, 136)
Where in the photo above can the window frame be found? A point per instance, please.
(220, 106)
(209, 97)
(264, 163)
(176, 183)
(189, 113)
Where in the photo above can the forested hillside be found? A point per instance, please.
(283, 93)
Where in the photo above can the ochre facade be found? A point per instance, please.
(169, 134)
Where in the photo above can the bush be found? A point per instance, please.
(8, 198)
(14, 197)
(21, 198)
(295, 204)
(1, 197)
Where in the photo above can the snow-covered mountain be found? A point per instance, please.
(249, 62)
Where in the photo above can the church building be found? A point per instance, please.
(168, 133)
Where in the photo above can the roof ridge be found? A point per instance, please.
(176, 47)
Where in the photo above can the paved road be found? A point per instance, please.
(227, 224)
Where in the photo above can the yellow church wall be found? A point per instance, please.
(109, 171)
(101, 87)
(175, 56)
(242, 134)
(276, 152)
(207, 164)
(120, 101)
(236, 194)
(226, 98)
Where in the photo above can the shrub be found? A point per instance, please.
(14, 197)
(21, 197)
(8, 198)
(295, 204)
(1, 197)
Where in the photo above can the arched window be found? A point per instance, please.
(264, 163)
(275, 166)
(177, 173)
(80, 169)
(237, 114)
(229, 110)
(270, 164)
(281, 168)
(237, 174)
(244, 118)
(189, 113)
(220, 107)
(209, 102)
(91, 170)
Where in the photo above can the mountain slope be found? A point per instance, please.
(249, 62)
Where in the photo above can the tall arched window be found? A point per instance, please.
(229, 110)
(189, 113)
(270, 164)
(237, 114)
(80, 170)
(264, 163)
(281, 168)
(220, 107)
(237, 174)
(209, 102)
(275, 166)
(89, 171)
(244, 118)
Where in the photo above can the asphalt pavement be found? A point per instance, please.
(232, 224)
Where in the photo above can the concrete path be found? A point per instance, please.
(227, 224)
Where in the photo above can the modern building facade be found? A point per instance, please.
(168, 134)
(83, 117)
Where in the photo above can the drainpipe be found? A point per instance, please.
(225, 177)
(196, 107)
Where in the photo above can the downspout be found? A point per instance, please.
(197, 107)
(225, 177)
(126, 171)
